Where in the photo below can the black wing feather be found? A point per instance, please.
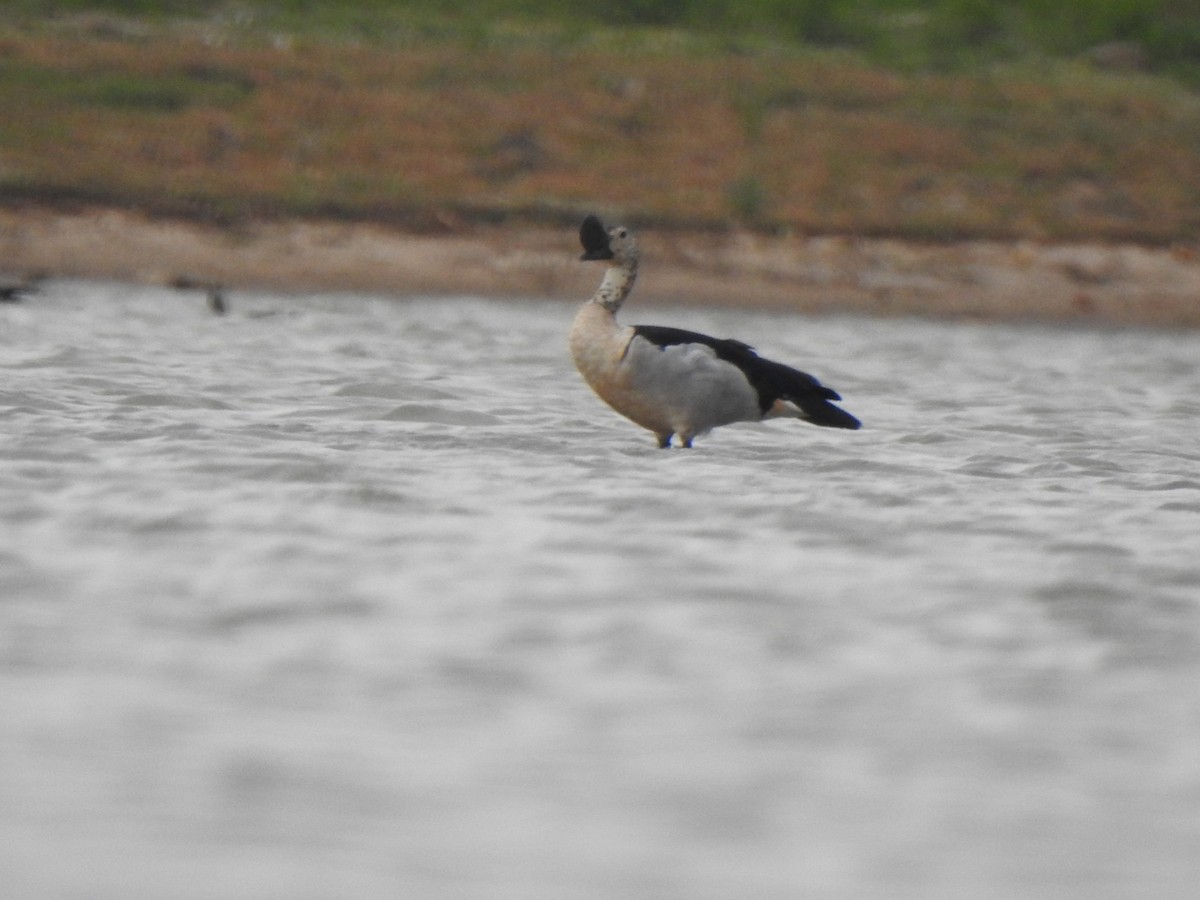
(771, 380)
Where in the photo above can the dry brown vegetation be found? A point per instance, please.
(197, 122)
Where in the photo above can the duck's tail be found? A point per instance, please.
(812, 398)
(820, 411)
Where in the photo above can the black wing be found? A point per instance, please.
(771, 380)
(665, 336)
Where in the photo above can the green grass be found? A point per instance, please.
(120, 89)
(748, 199)
(910, 35)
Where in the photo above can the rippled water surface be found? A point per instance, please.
(365, 597)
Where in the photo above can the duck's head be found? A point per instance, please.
(616, 243)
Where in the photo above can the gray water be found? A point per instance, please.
(371, 597)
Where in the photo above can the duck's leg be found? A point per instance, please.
(685, 439)
(664, 441)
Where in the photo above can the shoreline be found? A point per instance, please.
(1081, 282)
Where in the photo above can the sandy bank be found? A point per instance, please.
(1111, 284)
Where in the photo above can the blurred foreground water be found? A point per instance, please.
(371, 597)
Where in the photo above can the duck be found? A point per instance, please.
(13, 290)
(679, 384)
(214, 292)
(216, 300)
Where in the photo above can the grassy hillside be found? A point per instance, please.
(904, 33)
(965, 118)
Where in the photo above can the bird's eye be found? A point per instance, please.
(621, 232)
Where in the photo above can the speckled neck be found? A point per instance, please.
(618, 282)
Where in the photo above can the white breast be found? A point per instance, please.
(682, 389)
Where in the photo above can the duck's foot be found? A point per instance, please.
(664, 441)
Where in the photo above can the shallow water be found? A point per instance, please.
(368, 597)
